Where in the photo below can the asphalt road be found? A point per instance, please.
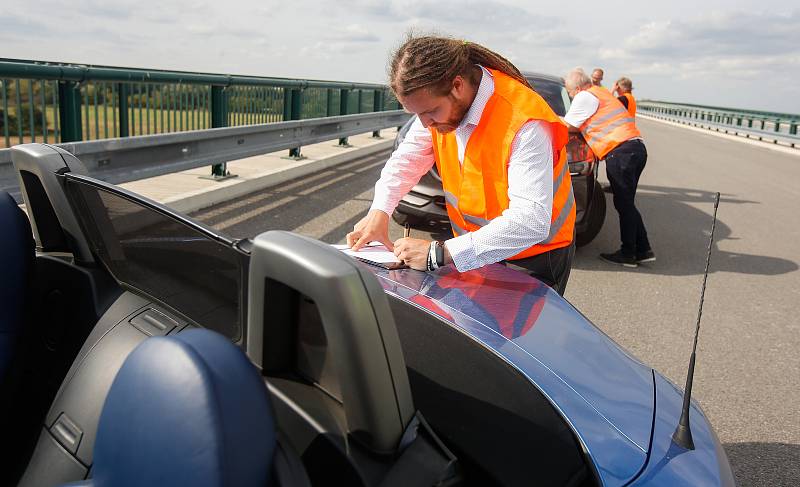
(748, 367)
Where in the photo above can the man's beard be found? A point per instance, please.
(453, 122)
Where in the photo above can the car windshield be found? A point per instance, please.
(553, 93)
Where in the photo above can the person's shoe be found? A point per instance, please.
(647, 256)
(620, 259)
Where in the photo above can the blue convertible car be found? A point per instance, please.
(139, 347)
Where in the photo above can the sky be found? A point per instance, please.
(739, 54)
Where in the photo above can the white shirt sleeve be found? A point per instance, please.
(583, 106)
(527, 220)
(412, 159)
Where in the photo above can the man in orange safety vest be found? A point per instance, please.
(623, 88)
(500, 150)
(611, 133)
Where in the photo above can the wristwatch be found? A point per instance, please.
(435, 255)
(439, 250)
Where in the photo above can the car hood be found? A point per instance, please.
(603, 393)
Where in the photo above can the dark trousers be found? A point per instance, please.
(624, 165)
(550, 267)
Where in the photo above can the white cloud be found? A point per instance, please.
(353, 33)
(466, 15)
(671, 49)
(729, 33)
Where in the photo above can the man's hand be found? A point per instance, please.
(413, 251)
(374, 226)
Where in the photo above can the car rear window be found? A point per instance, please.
(553, 93)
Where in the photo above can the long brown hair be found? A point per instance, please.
(433, 62)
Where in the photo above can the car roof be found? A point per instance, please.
(543, 77)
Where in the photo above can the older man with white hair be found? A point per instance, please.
(612, 135)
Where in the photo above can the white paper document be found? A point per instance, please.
(374, 252)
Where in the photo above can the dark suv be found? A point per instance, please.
(424, 204)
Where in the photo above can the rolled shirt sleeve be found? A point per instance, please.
(412, 159)
(526, 222)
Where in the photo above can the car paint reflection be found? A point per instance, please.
(606, 395)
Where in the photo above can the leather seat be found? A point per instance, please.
(188, 409)
(17, 252)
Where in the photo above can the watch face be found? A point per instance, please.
(439, 253)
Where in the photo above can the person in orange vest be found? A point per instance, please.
(612, 135)
(500, 150)
(597, 77)
(623, 88)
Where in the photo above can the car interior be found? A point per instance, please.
(138, 346)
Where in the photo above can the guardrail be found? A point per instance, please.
(778, 128)
(56, 102)
(128, 159)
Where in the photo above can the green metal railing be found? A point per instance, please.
(54, 103)
(782, 123)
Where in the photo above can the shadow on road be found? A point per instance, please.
(294, 203)
(758, 464)
(679, 234)
(679, 231)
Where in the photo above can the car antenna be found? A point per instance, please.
(683, 433)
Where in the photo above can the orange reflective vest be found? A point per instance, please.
(477, 192)
(631, 104)
(610, 125)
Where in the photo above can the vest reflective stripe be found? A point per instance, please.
(475, 220)
(596, 123)
(453, 202)
(451, 198)
(559, 179)
(457, 231)
(476, 192)
(614, 125)
(556, 226)
(558, 223)
(609, 126)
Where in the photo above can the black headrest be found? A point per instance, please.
(55, 226)
(357, 322)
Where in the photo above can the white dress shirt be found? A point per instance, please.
(530, 186)
(583, 106)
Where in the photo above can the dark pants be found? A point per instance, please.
(624, 165)
(550, 267)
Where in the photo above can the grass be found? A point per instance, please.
(104, 122)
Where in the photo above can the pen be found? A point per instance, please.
(407, 231)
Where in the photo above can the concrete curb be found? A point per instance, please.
(234, 188)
